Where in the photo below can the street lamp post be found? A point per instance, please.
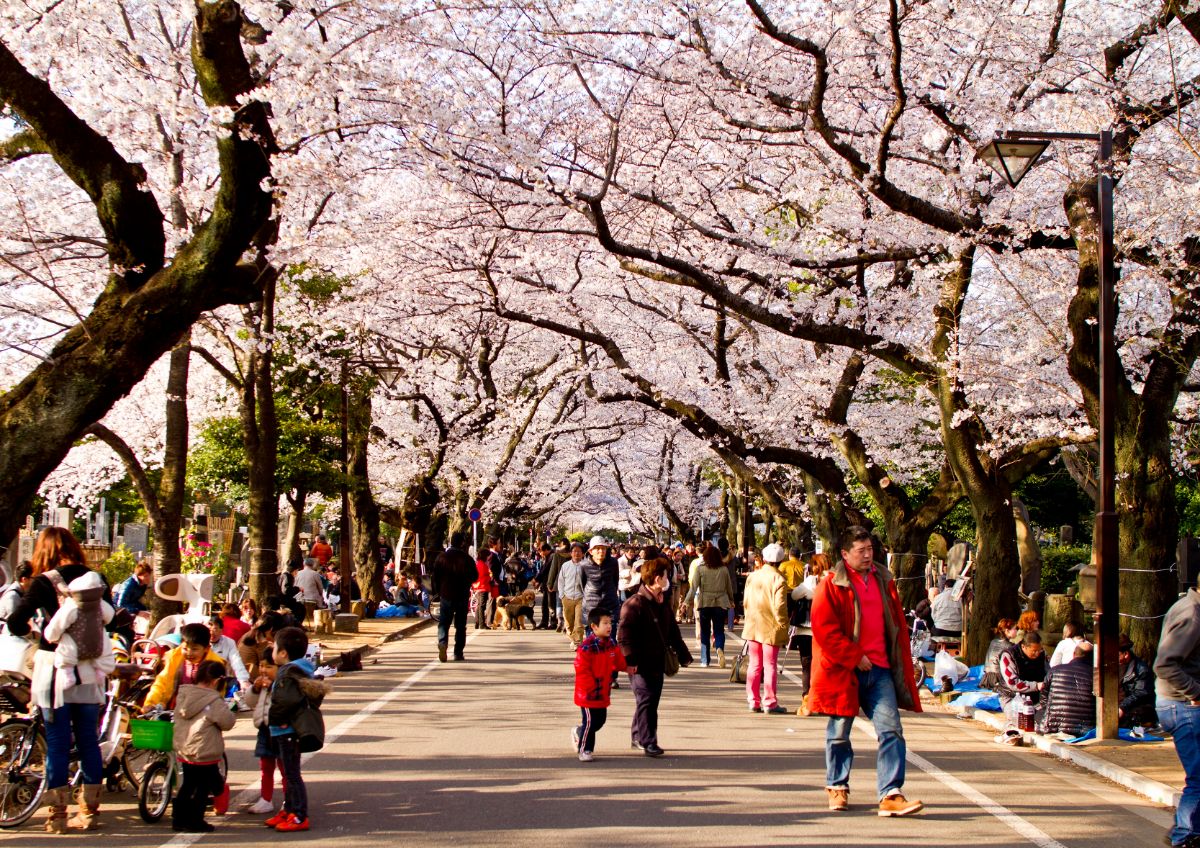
(1012, 156)
(389, 373)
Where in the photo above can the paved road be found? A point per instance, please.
(476, 753)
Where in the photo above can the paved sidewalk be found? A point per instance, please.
(1149, 768)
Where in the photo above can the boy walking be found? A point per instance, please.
(295, 723)
(201, 716)
(597, 661)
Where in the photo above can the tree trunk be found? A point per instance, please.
(298, 501)
(147, 304)
(364, 512)
(260, 433)
(173, 485)
(909, 546)
(996, 575)
(1148, 524)
(826, 517)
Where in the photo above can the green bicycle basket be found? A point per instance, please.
(152, 735)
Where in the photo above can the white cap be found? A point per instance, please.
(774, 553)
(598, 542)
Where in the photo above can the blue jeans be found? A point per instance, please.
(1182, 721)
(454, 611)
(82, 721)
(877, 697)
(711, 619)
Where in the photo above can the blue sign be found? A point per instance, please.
(474, 515)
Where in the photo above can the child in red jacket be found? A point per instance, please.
(597, 660)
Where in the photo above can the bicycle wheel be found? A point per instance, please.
(134, 762)
(154, 794)
(22, 771)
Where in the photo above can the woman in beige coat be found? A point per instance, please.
(765, 630)
(712, 591)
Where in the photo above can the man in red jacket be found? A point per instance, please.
(861, 660)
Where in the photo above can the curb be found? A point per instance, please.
(1157, 792)
(394, 636)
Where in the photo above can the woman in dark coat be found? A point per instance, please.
(647, 628)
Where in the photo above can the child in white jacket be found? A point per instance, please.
(258, 698)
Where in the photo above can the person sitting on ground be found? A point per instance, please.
(1023, 670)
(1029, 622)
(1070, 704)
(946, 611)
(259, 638)
(130, 592)
(1137, 687)
(1006, 635)
(1064, 651)
(249, 608)
(180, 666)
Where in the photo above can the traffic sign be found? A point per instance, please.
(474, 515)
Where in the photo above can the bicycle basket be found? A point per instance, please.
(152, 735)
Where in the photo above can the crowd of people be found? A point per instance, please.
(620, 609)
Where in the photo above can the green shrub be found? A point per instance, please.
(118, 566)
(1057, 562)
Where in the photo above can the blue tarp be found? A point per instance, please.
(970, 683)
(981, 699)
(1125, 733)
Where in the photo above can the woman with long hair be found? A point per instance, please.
(713, 594)
(647, 632)
(70, 699)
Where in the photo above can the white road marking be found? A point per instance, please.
(1003, 814)
(250, 793)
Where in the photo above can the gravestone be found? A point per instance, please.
(1066, 535)
(217, 539)
(64, 517)
(137, 537)
(25, 546)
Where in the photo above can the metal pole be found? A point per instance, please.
(344, 544)
(1107, 551)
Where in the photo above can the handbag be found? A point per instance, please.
(670, 658)
(15, 653)
(737, 672)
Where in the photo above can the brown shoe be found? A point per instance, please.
(898, 805)
(839, 800)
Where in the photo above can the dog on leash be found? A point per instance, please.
(511, 611)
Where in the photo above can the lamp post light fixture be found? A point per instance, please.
(389, 374)
(1011, 156)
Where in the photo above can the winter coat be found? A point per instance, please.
(1070, 704)
(1020, 675)
(595, 661)
(836, 616)
(647, 628)
(453, 571)
(162, 690)
(713, 587)
(600, 586)
(201, 715)
(483, 579)
(295, 707)
(1177, 665)
(1137, 687)
(765, 605)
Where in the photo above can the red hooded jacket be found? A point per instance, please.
(595, 661)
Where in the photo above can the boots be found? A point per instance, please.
(721, 657)
(88, 817)
(56, 809)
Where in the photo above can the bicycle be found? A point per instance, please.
(161, 776)
(23, 749)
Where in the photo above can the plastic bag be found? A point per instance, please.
(945, 666)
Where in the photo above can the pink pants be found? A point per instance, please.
(762, 655)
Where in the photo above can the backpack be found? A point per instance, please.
(87, 630)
